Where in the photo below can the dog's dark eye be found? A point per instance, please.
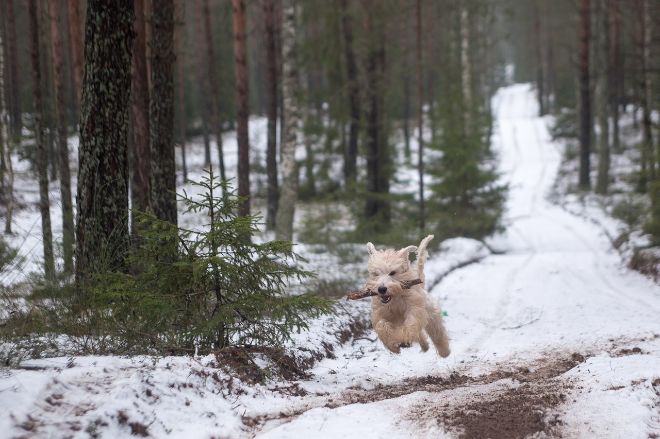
(392, 273)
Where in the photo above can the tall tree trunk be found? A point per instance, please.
(420, 119)
(648, 162)
(161, 112)
(350, 160)
(242, 105)
(181, 104)
(616, 78)
(466, 68)
(271, 150)
(139, 146)
(76, 48)
(540, 80)
(102, 229)
(202, 81)
(585, 94)
(5, 143)
(602, 49)
(291, 127)
(62, 145)
(377, 208)
(12, 76)
(216, 119)
(41, 156)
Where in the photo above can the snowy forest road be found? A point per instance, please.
(554, 335)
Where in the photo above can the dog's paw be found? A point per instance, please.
(405, 345)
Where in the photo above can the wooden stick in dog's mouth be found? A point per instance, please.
(366, 292)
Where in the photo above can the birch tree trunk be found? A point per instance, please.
(102, 229)
(585, 95)
(271, 150)
(602, 95)
(242, 105)
(161, 112)
(291, 127)
(139, 146)
(216, 119)
(57, 53)
(41, 155)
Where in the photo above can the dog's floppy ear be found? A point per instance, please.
(370, 248)
(407, 250)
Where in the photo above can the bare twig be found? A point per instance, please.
(366, 292)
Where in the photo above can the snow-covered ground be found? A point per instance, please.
(553, 336)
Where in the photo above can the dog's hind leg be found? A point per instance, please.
(423, 342)
(421, 257)
(436, 330)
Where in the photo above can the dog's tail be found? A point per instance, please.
(437, 332)
(421, 257)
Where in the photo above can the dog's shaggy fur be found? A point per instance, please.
(403, 316)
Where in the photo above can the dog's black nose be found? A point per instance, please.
(382, 290)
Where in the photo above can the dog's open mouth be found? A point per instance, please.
(385, 299)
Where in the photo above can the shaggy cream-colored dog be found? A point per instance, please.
(403, 316)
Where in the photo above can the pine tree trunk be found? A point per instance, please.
(585, 95)
(161, 112)
(242, 105)
(139, 146)
(181, 104)
(420, 119)
(202, 81)
(350, 165)
(59, 107)
(216, 119)
(602, 95)
(466, 68)
(12, 76)
(616, 78)
(41, 156)
(103, 176)
(5, 143)
(76, 48)
(291, 127)
(271, 150)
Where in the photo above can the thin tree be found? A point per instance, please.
(602, 50)
(12, 79)
(585, 94)
(292, 124)
(350, 160)
(466, 68)
(181, 103)
(645, 42)
(540, 79)
(102, 230)
(76, 48)
(202, 81)
(4, 142)
(161, 112)
(420, 118)
(242, 115)
(139, 145)
(216, 119)
(57, 53)
(271, 110)
(616, 72)
(41, 156)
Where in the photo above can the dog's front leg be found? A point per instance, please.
(387, 335)
(416, 319)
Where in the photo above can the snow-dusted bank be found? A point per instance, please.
(553, 335)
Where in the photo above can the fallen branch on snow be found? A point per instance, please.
(366, 292)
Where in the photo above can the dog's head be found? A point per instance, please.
(387, 268)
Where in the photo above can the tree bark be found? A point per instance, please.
(648, 162)
(76, 48)
(161, 112)
(616, 77)
(242, 105)
(216, 119)
(291, 127)
(15, 111)
(181, 104)
(103, 177)
(466, 68)
(350, 165)
(602, 95)
(57, 53)
(5, 143)
(585, 95)
(420, 119)
(41, 156)
(202, 81)
(140, 163)
(271, 150)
